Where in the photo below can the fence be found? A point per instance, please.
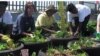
(41, 5)
(19, 5)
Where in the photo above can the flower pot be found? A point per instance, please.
(92, 51)
(35, 47)
(90, 47)
(61, 41)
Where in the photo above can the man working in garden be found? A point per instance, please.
(5, 19)
(78, 16)
(46, 21)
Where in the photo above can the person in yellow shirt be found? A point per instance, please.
(46, 21)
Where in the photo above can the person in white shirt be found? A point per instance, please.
(78, 16)
(5, 19)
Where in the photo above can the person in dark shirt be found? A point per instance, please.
(24, 25)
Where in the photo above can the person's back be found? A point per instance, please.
(83, 11)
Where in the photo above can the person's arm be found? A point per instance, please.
(25, 33)
(98, 24)
(71, 28)
(46, 29)
(78, 29)
(69, 20)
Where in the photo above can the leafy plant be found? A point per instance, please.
(61, 10)
(37, 37)
(91, 27)
(62, 24)
(3, 46)
(82, 43)
(33, 54)
(60, 51)
(55, 51)
(60, 34)
(8, 41)
(74, 53)
(98, 36)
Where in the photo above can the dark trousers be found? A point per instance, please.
(84, 24)
(83, 29)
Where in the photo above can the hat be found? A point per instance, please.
(51, 7)
(3, 3)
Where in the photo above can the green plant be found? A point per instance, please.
(55, 51)
(60, 34)
(98, 36)
(60, 51)
(37, 38)
(3, 46)
(61, 10)
(83, 42)
(70, 52)
(8, 41)
(33, 54)
(91, 27)
(62, 24)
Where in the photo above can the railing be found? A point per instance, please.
(19, 5)
(41, 5)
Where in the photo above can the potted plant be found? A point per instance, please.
(85, 44)
(8, 47)
(35, 43)
(62, 24)
(61, 37)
